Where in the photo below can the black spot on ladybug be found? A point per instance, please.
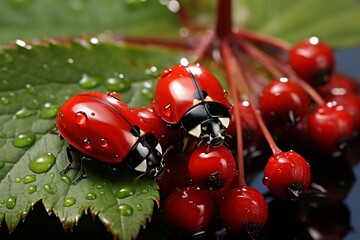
(200, 95)
(135, 131)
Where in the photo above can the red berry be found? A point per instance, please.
(312, 60)
(244, 211)
(283, 102)
(339, 84)
(351, 104)
(250, 129)
(188, 210)
(213, 169)
(330, 127)
(287, 175)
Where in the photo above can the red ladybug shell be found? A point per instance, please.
(175, 92)
(98, 125)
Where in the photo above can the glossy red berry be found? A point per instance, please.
(187, 210)
(244, 211)
(339, 84)
(283, 102)
(312, 60)
(213, 169)
(330, 127)
(287, 175)
(250, 129)
(351, 104)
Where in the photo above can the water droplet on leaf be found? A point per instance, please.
(125, 209)
(24, 139)
(32, 189)
(42, 162)
(30, 89)
(11, 202)
(69, 201)
(125, 191)
(119, 84)
(88, 82)
(49, 111)
(24, 112)
(29, 178)
(91, 196)
(66, 179)
(4, 100)
(49, 188)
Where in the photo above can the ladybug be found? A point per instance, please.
(190, 97)
(100, 126)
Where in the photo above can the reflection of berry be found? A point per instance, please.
(330, 127)
(283, 102)
(187, 210)
(244, 211)
(287, 175)
(213, 169)
(312, 60)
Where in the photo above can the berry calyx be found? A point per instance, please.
(312, 60)
(330, 127)
(244, 211)
(283, 102)
(287, 175)
(187, 210)
(212, 169)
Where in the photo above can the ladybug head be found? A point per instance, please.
(208, 121)
(146, 156)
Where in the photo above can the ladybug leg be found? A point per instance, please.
(69, 149)
(82, 172)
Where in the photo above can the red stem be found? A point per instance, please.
(230, 67)
(224, 18)
(279, 70)
(260, 38)
(246, 89)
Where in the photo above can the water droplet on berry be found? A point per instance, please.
(24, 139)
(88, 82)
(91, 196)
(32, 189)
(24, 112)
(125, 209)
(119, 83)
(81, 118)
(11, 202)
(29, 178)
(124, 192)
(49, 111)
(104, 144)
(266, 181)
(69, 201)
(167, 110)
(42, 162)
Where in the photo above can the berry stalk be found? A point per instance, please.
(229, 63)
(224, 18)
(236, 67)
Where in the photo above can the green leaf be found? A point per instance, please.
(26, 19)
(333, 21)
(34, 82)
